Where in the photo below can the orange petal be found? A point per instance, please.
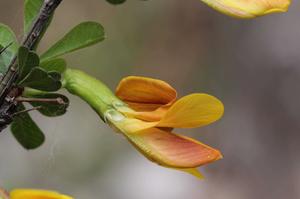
(149, 116)
(139, 92)
(171, 150)
(143, 107)
(193, 110)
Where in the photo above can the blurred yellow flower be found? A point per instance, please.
(36, 194)
(248, 8)
(152, 114)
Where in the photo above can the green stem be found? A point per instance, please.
(91, 90)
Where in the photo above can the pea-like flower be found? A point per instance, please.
(32, 194)
(146, 110)
(248, 8)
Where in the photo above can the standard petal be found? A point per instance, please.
(141, 91)
(193, 110)
(171, 150)
(36, 194)
(248, 8)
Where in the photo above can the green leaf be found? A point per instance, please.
(83, 35)
(39, 79)
(5, 57)
(22, 56)
(51, 109)
(7, 36)
(115, 2)
(59, 65)
(26, 131)
(27, 61)
(55, 75)
(2, 63)
(31, 10)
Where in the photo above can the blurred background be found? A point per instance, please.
(251, 65)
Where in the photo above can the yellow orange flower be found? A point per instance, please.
(248, 8)
(32, 194)
(152, 114)
(146, 110)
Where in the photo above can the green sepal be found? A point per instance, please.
(91, 90)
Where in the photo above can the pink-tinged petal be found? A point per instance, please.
(193, 110)
(171, 150)
(142, 93)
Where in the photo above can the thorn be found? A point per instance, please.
(3, 49)
(26, 111)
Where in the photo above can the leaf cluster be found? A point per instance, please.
(39, 75)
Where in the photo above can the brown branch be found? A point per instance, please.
(30, 41)
(7, 86)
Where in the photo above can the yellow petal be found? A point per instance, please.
(193, 110)
(194, 172)
(124, 124)
(131, 125)
(139, 91)
(171, 150)
(36, 194)
(248, 8)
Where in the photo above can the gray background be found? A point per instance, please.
(251, 65)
